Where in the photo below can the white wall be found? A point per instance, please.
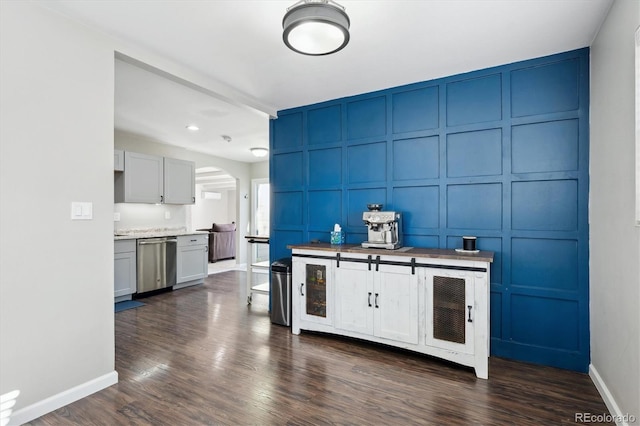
(56, 275)
(614, 240)
(56, 146)
(148, 216)
(208, 211)
(260, 170)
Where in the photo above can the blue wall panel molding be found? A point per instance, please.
(501, 153)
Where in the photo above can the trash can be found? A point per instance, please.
(281, 291)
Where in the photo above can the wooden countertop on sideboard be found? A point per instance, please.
(482, 256)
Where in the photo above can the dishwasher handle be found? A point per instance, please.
(157, 242)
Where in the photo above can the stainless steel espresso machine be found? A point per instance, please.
(385, 228)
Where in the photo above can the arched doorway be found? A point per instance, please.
(216, 198)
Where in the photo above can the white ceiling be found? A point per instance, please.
(160, 109)
(239, 43)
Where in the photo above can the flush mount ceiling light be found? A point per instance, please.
(259, 152)
(193, 127)
(316, 27)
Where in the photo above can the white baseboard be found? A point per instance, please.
(54, 402)
(607, 397)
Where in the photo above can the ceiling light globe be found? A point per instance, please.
(259, 152)
(316, 38)
(315, 29)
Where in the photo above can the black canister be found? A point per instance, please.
(469, 243)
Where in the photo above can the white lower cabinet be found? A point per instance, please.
(450, 310)
(436, 306)
(382, 303)
(192, 266)
(354, 298)
(396, 303)
(124, 264)
(312, 281)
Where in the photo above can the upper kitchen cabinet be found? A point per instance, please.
(154, 180)
(179, 181)
(142, 179)
(118, 160)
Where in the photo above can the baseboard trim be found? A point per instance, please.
(607, 397)
(66, 397)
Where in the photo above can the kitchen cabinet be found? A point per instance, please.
(431, 301)
(179, 181)
(313, 286)
(118, 160)
(124, 263)
(192, 265)
(142, 179)
(154, 180)
(382, 303)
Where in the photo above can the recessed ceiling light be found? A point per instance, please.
(193, 127)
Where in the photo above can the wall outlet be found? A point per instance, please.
(116, 216)
(167, 215)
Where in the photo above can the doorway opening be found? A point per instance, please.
(260, 205)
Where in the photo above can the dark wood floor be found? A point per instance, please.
(201, 356)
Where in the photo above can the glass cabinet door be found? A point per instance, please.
(316, 297)
(314, 280)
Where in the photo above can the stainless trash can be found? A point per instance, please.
(281, 291)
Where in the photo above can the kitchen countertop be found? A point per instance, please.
(482, 256)
(134, 234)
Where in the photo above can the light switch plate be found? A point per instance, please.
(81, 210)
(116, 216)
(167, 215)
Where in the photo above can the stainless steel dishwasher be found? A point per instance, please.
(156, 263)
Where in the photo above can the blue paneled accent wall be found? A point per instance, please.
(500, 153)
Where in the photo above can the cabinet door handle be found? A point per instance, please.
(162, 198)
(194, 199)
(369, 299)
(301, 285)
(469, 319)
(376, 301)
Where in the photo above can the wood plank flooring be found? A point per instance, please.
(201, 356)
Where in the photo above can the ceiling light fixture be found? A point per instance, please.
(316, 27)
(193, 127)
(259, 152)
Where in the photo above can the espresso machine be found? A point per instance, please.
(384, 228)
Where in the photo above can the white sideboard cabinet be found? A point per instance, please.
(430, 301)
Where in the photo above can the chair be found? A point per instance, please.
(222, 241)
